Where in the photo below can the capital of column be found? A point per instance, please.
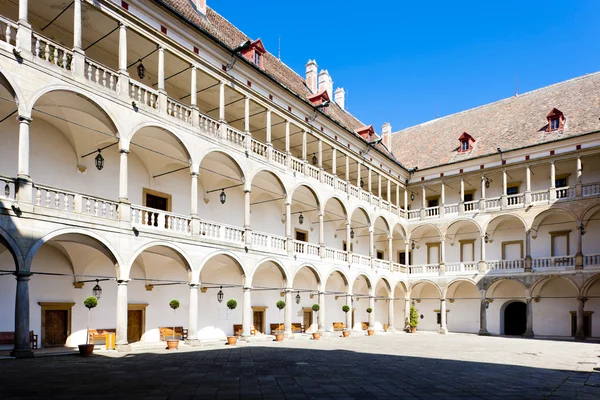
(123, 151)
(122, 282)
(23, 275)
(23, 119)
(194, 285)
(195, 174)
(582, 299)
(247, 288)
(247, 191)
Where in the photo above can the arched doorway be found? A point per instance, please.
(515, 318)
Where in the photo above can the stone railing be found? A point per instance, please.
(259, 148)
(278, 157)
(540, 197)
(565, 193)
(461, 267)
(414, 214)
(515, 200)
(424, 269)
(336, 255)
(382, 264)
(101, 75)
(51, 51)
(210, 127)
(451, 209)
(591, 259)
(397, 267)
(7, 188)
(493, 203)
(471, 206)
(160, 220)
(268, 242)
(179, 111)
(552, 262)
(143, 95)
(297, 165)
(432, 212)
(308, 250)
(364, 261)
(235, 137)
(590, 189)
(221, 232)
(312, 171)
(504, 265)
(58, 199)
(8, 31)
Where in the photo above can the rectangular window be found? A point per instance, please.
(433, 202)
(464, 145)
(560, 182)
(402, 258)
(559, 245)
(257, 58)
(301, 236)
(468, 197)
(379, 255)
(554, 124)
(512, 190)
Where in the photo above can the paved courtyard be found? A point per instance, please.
(387, 366)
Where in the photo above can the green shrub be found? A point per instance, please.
(413, 317)
(280, 304)
(174, 304)
(369, 310)
(345, 308)
(232, 304)
(90, 302)
(316, 307)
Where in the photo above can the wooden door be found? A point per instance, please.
(308, 320)
(158, 203)
(55, 333)
(134, 325)
(258, 321)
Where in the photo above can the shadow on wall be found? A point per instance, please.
(257, 372)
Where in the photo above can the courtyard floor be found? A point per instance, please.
(386, 366)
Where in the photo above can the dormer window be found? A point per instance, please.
(257, 59)
(466, 142)
(254, 53)
(556, 120)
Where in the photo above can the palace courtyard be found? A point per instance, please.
(386, 366)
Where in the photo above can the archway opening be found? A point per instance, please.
(306, 284)
(267, 210)
(361, 290)
(336, 288)
(268, 287)
(305, 221)
(335, 219)
(515, 318)
(360, 224)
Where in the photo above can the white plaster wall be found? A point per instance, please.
(429, 296)
(551, 316)
(8, 288)
(590, 243)
(507, 231)
(463, 313)
(541, 245)
(593, 304)
(9, 130)
(505, 292)
(333, 307)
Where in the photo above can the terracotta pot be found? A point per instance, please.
(370, 332)
(316, 335)
(86, 350)
(413, 329)
(231, 340)
(172, 344)
(346, 333)
(279, 337)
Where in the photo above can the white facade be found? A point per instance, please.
(330, 230)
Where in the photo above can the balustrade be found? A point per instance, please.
(312, 171)
(210, 126)
(590, 189)
(160, 220)
(451, 209)
(268, 242)
(235, 137)
(143, 95)
(540, 196)
(515, 200)
(101, 75)
(307, 249)
(493, 203)
(432, 212)
(471, 206)
(8, 31)
(552, 262)
(297, 165)
(504, 265)
(259, 148)
(7, 188)
(178, 110)
(424, 269)
(278, 157)
(51, 51)
(565, 193)
(591, 260)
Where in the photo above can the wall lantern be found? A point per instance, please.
(351, 233)
(314, 159)
(486, 238)
(220, 295)
(301, 218)
(487, 183)
(412, 244)
(582, 229)
(141, 70)
(6, 190)
(412, 196)
(97, 290)
(223, 196)
(99, 160)
(487, 304)
(362, 183)
(298, 298)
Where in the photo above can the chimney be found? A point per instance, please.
(200, 6)
(339, 97)
(386, 134)
(325, 83)
(311, 75)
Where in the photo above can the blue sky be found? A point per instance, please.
(403, 61)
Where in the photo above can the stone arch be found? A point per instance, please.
(277, 264)
(402, 230)
(424, 282)
(365, 211)
(11, 87)
(271, 173)
(539, 284)
(311, 189)
(386, 283)
(454, 283)
(237, 261)
(492, 285)
(425, 226)
(174, 139)
(588, 284)
(312, 269)
(492, 225)
(342, 275)
(587, 215)
(103, 245)
(182, 255)
(454, 227)
(7, 241)
(235, 163)
(339, 200)
(539, 218)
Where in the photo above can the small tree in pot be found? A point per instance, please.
(87, 349)
(279, 333)
(370, 331)
(317, 334)
(173, 344)
(232, 304)
(413, 319)
(345, 309)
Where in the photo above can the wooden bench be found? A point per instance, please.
(166, 333)
(238, 328)
(9, 338)
(364, 326)
(339, 326)
(276, 327)
(297, 328)
(99, 334)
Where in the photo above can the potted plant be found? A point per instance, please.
(232, 304)
(87, 349)
(345, 309)
(173, 344)
(279, 333)
(413, 319)
(370, 331)
(316, 335)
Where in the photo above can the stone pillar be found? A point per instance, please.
(483, 315)
(268, 134)
(320, 159)
(358, 175)
(23, 39)
(398, 196)
(347, 169)
(23, 11)
(443, 200)
(461, 204)
(372, 314)
(287, 313)
(391, 316)
(407, 253)
(407, 313)
(192, 337)
(405, 207)
(222, 103)
(443, 329)
(321, 314)
(528, 251)
(391, 248)
(529, 330)
(23, 163)
(349, 313)
(194, 194)
(389, 191)
(162, 93)
(348, 240)
(247, 116)
(579, 253)
(123, 83)
(482, 198)
(552, 193)
(369, 180)
(321, 235)
(22, 348)
(123, 176)
(503, 201)
(334, 161)
(481, 265)
(247, 313)
(580, 333)
(527, 185)
(247, 226)
(78, 61)
(371, 243)
(288, 229)
(442, 257)
(578, 184)
(304, 145)
(378, 185)
(122, 343)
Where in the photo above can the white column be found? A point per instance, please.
(348, 239)
(391, 317)
(443, 329)
(407, 313)
(482, 239)
(23, 39)
(194, 87)
(398, 196)
(23, 13)
(334, 161)
(378, 185)
(123, 51)
(528, 251)
(23, 163)
(287, 317)
(529, 330)
(22, 348)
(268, 123)
(372, 314)
(77, 25)
(287, 137)
(579, 170)
(504, 184)
(121, 336)
(389, 191)
(347, 168)
(194, 195)
(247, 209)
(369, 180)
(320, 147)
(483, 315)
(222, 102)
(288, 220)
(358, 174)
(322, 234)
(528, 178)
(193, 313)
(304, 145)
(247, 115)
(391, 248)
(123, 176)
(443, 195)
(405, 207)
(371, 243)
(161, 69)
(247, 312)
(552, 175)
(423, 197)
(580, 334)
(462, 190)
(407, 253)
(321, 314)
(349, 313)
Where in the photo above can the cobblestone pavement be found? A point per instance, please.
(386, 366)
